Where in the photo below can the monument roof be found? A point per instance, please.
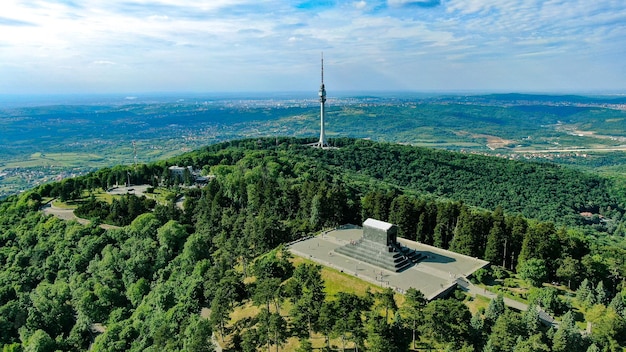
(377, 224)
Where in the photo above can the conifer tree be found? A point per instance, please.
(567, 338)
(494, 248)
(495, 309)
(600, 293)
(412, 310)
(583, 290)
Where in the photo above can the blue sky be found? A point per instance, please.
(109, 46)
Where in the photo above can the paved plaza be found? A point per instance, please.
(434, 275)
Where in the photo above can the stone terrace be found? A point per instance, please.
(435, 274)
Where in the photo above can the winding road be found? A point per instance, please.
(68, 215)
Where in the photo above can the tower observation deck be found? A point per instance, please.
(322, 143)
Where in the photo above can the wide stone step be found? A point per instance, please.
(376, 254)
(384, 263)
(416, 257)
(405, 266)
(371, 245)
(411, 254)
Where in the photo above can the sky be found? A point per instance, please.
(110, 46)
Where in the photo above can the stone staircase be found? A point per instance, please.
(393, 258)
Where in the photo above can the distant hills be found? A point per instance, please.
(55, 139)
(536, 190)
(518, 97)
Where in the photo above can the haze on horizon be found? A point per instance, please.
(97, 46)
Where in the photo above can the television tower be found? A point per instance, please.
(322, 93)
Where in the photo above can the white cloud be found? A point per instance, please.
(207, 44)
(159, 18)
(103, 62)
(360, 5)
(423, 3)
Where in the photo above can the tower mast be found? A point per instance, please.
(322, 93)
(135, 154)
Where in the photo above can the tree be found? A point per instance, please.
(518, 227)
(327, 320)
(266, 291)
(593, 348)
(39, 341)
(445, 320)
(531, 320)
(387, 302)
(385, 337)
(272, 328)
(608, 327)
(495, 309)
(315, 220)
(567, 338)
(477, 330)
(593, 267)
(505, 331)
(601, 297)
(533, 270)
(540, 242)
(534, 343)
(135, 292)
(497, 237)
(412, 310)
(617, 303)
(250, 340)
(348, 323)
(307, 295)
(197, 335)
(14, 347)
(467, 234)
(274, 264)
(278, 327)
(583, 292)
(144, 225)
(51, 310)
(305, 346)
(446, 223)
(402, 214)
(547, 298)
(221, 307)
(171, 237)
(568, 270)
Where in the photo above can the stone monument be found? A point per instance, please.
(379, 246)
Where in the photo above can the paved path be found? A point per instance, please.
(68, 215)
(61, 213)
(477, 291)
(138, 190)
(216, 345)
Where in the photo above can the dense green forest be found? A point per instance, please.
(145, 283)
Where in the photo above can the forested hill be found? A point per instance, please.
(145, 282)
(536, 190)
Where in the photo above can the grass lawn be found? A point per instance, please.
(476, 303)
(64, 205)
(336, 281)
(161, 195)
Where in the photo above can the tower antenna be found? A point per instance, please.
(322, 93)
(135, 154)
(322, 68)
